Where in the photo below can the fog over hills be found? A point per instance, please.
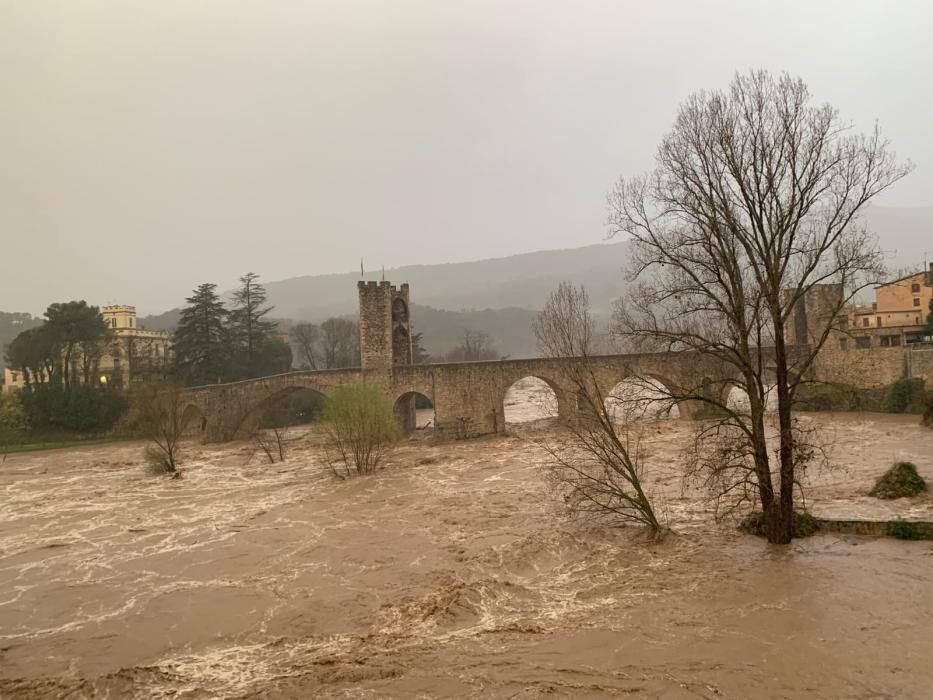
(502, 295)
(524, 281)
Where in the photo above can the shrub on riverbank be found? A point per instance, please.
(903, 396)
(900, 481)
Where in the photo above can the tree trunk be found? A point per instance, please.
(784, 522)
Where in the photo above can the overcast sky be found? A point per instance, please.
(148, 146)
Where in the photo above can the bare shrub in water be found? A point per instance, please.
(273, 443)
(360, 428)
(594, 463)
(157, 412)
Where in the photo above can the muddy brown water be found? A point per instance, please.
(450, 573)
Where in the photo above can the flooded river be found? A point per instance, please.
(450, 573)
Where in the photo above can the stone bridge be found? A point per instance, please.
(468, 397)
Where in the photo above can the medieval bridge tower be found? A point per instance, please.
(385, 325)
(385, 336)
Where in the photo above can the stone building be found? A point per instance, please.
(870, 346)
(901, 305)
(131, 352)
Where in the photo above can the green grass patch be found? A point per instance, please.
(900, 481)
(903, 530)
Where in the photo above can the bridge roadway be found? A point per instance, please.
(468, 397)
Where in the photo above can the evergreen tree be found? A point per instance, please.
(251, 331)
(71, 326)
(419, 355)
(201, 340)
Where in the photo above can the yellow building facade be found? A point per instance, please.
(903, 303)
(130, 353)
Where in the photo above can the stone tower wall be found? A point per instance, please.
(810, 317)
(385, 328)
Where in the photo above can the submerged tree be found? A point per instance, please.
(158, 413)
(594, 462)
(361, 427)
(754, 205)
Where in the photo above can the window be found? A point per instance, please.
(890, 341)
(865, 322)
(878, 321)
(113, 323)
(915, 287)
(895, 340)
(843, 343)
(863, 342)
(916, 302)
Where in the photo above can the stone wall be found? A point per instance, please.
(863, 368)
(920, 364)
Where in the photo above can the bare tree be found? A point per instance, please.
(753, 208)
(305, 336)
(340, 343)
(594, 463)
(274, 446)
(474, 346)
(272, 432)
(158, 413)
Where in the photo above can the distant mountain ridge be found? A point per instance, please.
(525, 280)
(520, 281)
(502, 295)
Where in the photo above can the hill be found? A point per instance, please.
(501, 295)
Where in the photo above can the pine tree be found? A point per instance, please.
(419, 355)
(252, 332)
(201, 339)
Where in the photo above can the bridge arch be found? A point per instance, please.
(415, 411)
(736, 397)
(193, 420)
(531, 398)
(636, 398)
(252, 418)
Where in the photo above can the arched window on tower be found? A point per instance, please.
(399, 311)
